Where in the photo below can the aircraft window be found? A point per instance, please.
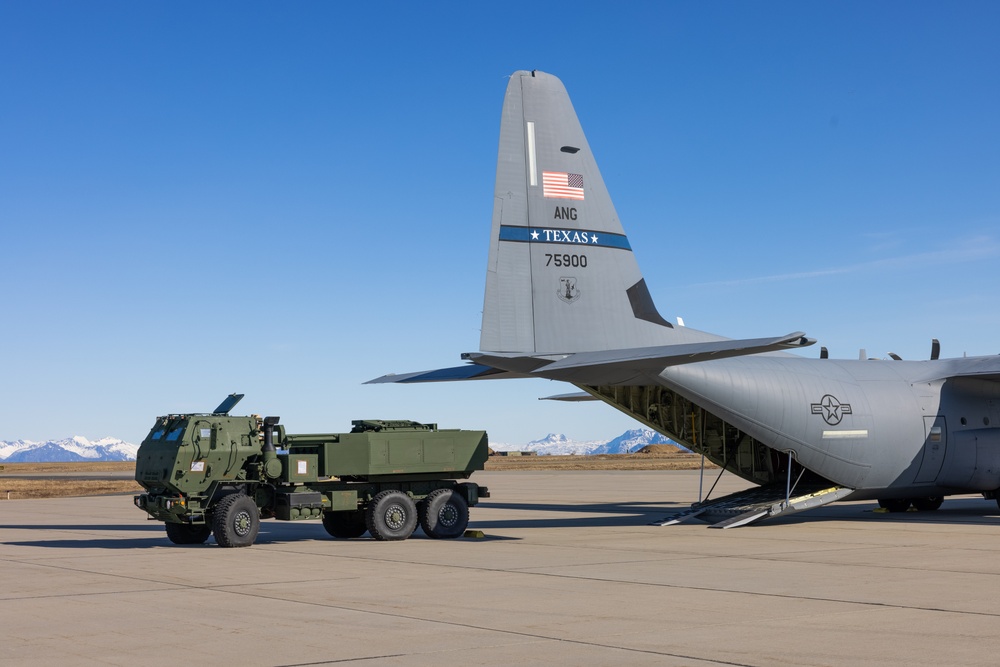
(964, 421)
(569, 149)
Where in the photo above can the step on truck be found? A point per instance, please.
(213, 473)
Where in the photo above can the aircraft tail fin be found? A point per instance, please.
(561, 276)
(565, 299)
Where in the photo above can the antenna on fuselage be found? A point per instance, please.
(935, 349)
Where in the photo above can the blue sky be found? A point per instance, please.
(286, 200)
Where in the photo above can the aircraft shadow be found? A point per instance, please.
(963, 511)
(978, 513)
(614, 514)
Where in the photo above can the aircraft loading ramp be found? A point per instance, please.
(763, 502)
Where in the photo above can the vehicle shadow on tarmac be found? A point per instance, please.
(148, 535)
(962, 511)
(270, 533)
(150, 527)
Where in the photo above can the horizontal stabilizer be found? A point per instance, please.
(571, 398)
(600, 367)
(466, 372)
(616, 366)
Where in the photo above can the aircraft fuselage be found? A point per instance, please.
(883, 428)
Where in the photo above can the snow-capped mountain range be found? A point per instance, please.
(79, 448)
(630, 441)
(76, 448)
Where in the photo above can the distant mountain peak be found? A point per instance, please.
(551, 439)
(631, 440)
(80, 448)
(76, 448)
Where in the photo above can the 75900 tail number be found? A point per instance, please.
(575, 261)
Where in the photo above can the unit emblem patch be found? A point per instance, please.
(567, 289)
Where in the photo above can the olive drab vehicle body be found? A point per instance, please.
(215, 473)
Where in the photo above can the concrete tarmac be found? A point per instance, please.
(568, 574)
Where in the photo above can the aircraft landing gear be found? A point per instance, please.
(895, 504)
(928, 504)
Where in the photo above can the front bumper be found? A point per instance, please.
(173, 509)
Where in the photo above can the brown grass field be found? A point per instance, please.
(53, 480)
(58, 485)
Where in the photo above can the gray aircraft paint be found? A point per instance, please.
(886, 429)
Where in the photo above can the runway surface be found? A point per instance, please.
(568, 574)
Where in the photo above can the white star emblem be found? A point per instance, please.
(593, 238)
(534, 235)
(831, 409)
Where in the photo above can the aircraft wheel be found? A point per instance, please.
(444, 514)
(895, 504)
(185, 533)
(392, 515)
(235, 521)
(345, 525)
(928, 504)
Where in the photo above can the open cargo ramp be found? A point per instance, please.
(757, 504)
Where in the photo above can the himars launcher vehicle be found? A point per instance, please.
(216, 474)
(565, 300)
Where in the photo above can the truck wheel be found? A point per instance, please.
(345, 525)
(392, 515)
(185, 533)
(235, 521)
(444, 514)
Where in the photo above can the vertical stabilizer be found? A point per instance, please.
(561, 277)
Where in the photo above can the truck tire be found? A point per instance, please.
(186, 533)
(444, 514)
(235, 521)
(392, 515)
(345, 525)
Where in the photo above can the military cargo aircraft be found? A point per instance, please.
(565, 300)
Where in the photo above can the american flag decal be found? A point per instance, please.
(560, 185)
